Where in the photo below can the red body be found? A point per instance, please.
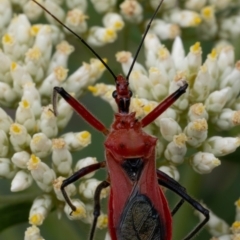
(127, 140)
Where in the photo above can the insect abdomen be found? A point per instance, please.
(140, 221)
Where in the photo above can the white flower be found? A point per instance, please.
(32, 233)
(131, 11)
(70, 189)
(221, 146)
(48, 122)
(20, 159)
(4, 144)
(196, 132)
(87, 188)
(19, 137)
(41, 173)
(168, 128)
(21, 181)
(40, 145)
(203, 162)
(76, 21)
(40, 208)
(61, 157)
(77, 141)
(165, 30)
(185, 18)
(7, 169)
(103, 5)
(176, 150)
(80, 212)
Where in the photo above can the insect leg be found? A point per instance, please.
(163, 105)
(178, 189)
(82, 172)
(79, 108)
(97, 206)
(164, 180)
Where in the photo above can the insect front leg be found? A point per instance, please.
(97, 206)
(82, 172)
(173, 185)
(79, 108)
(165, 104)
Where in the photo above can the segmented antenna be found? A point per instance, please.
(77, 36)
(142, 40)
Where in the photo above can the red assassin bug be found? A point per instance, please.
(141, 211)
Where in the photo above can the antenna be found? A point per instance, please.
(77, 36)
(142, 40)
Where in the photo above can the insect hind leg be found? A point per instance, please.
(170, 183)
(97, 206)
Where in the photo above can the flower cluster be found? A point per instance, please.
(212, 19)
(31, 141)
(32, 147)
(211, 99)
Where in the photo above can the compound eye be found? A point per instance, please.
(114, 94)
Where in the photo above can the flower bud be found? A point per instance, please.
(194, 58)
(70, 189)
(169, 128)
(19, 137)
(61, 157)
(76, 20)
(227, 119)
(77, 141)
(40, 209)
(88, 187)
(176, 150)
(197, 111)
(20, 159)
(132, 11)
(65, 112)
(126, 59)
(84, 163)
(40, 145)
(178, 54)
(114, 21)
(4, 144)
(31, 94)
(221, 146)
(60, 57)
(41, 173)
(196, 132)
(48, 122)
(185, 18)
(80, 211)
(33, 233)
(102, 6)
(5, 122)
(102, 221)
(7, 169)
(201, 86)
(21, 181)
(203, 162)
(100, 36)
(25, 116)
(32, 10)
(165, 30)
(217, 100)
